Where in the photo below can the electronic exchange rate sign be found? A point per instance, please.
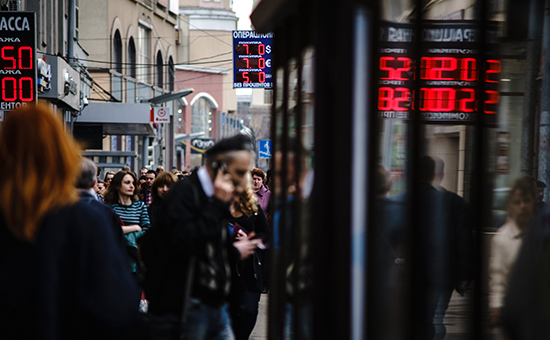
(449, 74)
(17, 59)
(252, 60)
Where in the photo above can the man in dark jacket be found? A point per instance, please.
(447, 251)
(84, 183)
(193, 226)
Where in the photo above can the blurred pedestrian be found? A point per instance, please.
(506, 243)
(101, 189)
(262, 193)
(160, 188)
(193, 228)
(160, 169)
(446, 255)
(108, 177)
(84, 181)
(140, 183)
(63, 274)
(143, 172)
(390, 285)
(250, 275)
(122, 197)
(146, 188)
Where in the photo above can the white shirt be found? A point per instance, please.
(505, 247)
(206, 181)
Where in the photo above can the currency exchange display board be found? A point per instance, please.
(450, 73)
(252, 60)
(17, 59)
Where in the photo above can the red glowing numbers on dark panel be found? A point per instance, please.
(447, 99)
(393, 100)
(444, 68)
(22, 59)
(248, 49)
(250, 77)
(395, 72)
(492, 99)
(10, 89)
(252, 63)
(493, 68)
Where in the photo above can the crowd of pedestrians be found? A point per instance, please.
(77, 261)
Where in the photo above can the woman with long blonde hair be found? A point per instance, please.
(62, 269)
(250, 275)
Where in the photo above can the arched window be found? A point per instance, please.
(117, 52)
(160, 71)
(171, 74)
(202, 117)
(132, 58)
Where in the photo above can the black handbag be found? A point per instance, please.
(171, 326)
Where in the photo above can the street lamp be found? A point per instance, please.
(168, 96)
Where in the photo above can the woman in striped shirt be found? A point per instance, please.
(122, 197)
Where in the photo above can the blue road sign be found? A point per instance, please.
(264, 148)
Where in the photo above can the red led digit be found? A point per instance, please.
(406, 67)
(465, 101)
(437, 99)
(245, 77)
(261, 49)
(384, 67)
(401, 95)
(493, 67)
(435, 66)
(8, 58)
(468, 69)
(246, 46)
(21, 58)
(29, 89)
(385, 98)
(261, 63)
(247, 63)
(13, 89)
(492, 98)
(261, 77)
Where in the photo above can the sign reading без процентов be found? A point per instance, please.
(252, 60)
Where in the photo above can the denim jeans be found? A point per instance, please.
(205, 322)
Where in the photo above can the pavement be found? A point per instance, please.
(260, 330)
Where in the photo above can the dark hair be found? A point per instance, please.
(221, 151)
(257, 172)
(526, 187)
(107, 173)
(427, 169)
(152, 172)
(111, 196)
(165, 178)
(142, 178)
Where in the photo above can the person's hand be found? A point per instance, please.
(126, 229)
(246, 245)
(223, 187)
(462, 288)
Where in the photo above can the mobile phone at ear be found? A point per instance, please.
(217, 166)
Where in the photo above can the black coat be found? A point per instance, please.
(191, 224)
(251, 273)
(71, 283)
